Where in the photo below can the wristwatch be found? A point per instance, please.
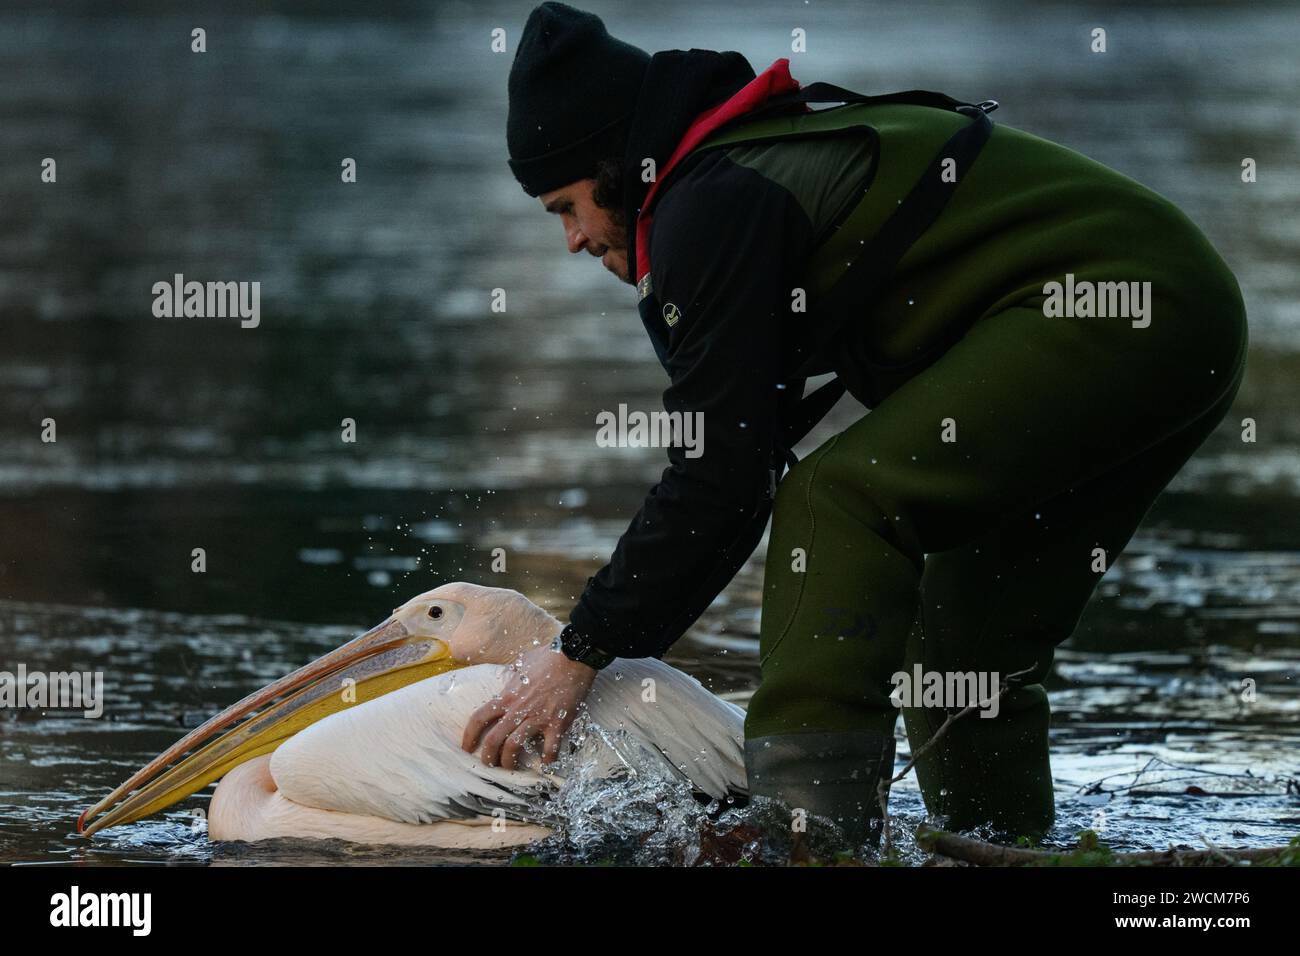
(578, 648)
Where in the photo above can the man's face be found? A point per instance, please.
(602, 232)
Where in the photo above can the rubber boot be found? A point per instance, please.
(825, 774)
(992, 772)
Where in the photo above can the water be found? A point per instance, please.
(476, 430)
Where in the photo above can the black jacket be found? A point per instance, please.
(713, 255)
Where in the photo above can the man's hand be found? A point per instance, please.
(541, 700)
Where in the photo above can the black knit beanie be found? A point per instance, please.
(573, 88)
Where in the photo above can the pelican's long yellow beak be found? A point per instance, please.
(381, 660)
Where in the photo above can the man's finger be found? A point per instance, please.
(516, 742)
(497, 736)
(551, 748)
(479, 721)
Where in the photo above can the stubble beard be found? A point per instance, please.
(618, 242)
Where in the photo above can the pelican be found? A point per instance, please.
(363, 743)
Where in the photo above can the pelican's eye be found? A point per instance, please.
(435, 612)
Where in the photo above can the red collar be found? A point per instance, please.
(774, 80)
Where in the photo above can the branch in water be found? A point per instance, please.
(978, 852)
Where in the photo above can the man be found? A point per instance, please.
(1015, 441)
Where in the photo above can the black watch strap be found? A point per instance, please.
(578, 648)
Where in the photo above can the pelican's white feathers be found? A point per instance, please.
(398, 757)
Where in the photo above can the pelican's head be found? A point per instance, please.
(493, 625)
(455, 625)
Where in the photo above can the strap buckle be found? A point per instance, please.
(985, 107)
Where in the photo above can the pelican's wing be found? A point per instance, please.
(398, 757)
(699, 735)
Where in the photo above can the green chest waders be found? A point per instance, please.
(834, 775)
(897, 550)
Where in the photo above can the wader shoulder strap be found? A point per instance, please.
(830, 93)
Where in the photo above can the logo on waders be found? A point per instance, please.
(671, 314)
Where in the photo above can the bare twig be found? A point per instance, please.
(980, 853)
(1197, 773)
(1216, 851)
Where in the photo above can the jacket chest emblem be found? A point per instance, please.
(671, 314)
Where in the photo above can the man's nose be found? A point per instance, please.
(575, 237)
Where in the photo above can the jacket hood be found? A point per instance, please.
(678, 86)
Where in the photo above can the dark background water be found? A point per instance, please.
(475, 430)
